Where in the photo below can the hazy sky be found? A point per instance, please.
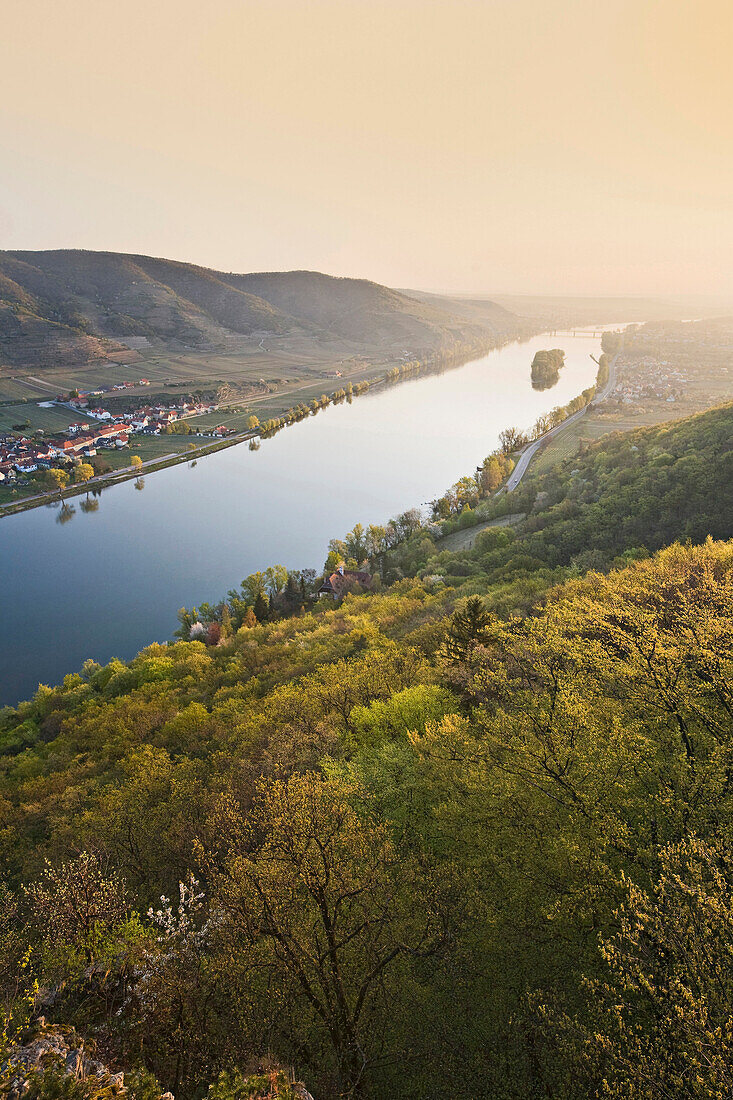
(549, 146)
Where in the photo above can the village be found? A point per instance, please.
(647, 378)
(672, 363)
(97, 430)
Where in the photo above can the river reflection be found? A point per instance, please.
(112, 580)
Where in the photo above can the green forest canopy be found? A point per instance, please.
(417, 843)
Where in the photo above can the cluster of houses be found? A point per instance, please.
(20, 456)
(651, 379)
(686, 344)
(152, 419)
(99, 428)
(83, 441)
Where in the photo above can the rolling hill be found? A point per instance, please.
(72, 306)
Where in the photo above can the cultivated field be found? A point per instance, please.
(50, 420)
(281, 364)
(586, 430)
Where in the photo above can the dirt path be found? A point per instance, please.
(464, 540)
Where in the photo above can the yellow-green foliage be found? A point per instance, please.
(233, 1085)
(474, 827)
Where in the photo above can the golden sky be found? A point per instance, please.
(486, 146)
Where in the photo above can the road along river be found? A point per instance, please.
(108, 581)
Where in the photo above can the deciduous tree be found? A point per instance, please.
(83, 472)
(320, 895)
(57, 479)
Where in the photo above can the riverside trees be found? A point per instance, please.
(468, 491)
(83, 472)
(56, 479)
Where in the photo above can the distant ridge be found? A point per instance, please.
(74, 306)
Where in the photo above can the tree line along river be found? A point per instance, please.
(109, 581)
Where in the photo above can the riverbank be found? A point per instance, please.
(356, 387)
(128, 473)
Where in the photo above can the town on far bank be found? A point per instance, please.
(40, 460)
(91, 437)
(34, 461)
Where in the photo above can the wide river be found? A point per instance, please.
(108, 582)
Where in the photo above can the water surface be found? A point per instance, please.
(108, 582)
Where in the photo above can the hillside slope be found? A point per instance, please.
(482, 311)
(475, 804)
(59, 304)
(644, 488)
(627, 495)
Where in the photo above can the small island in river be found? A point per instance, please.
(546, 367)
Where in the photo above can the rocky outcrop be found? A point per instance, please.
(61, 1051)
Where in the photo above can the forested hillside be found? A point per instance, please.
(465, 836)
(630, 492)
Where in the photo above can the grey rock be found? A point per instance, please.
(75, 1062)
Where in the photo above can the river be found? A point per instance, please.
(107, 582)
